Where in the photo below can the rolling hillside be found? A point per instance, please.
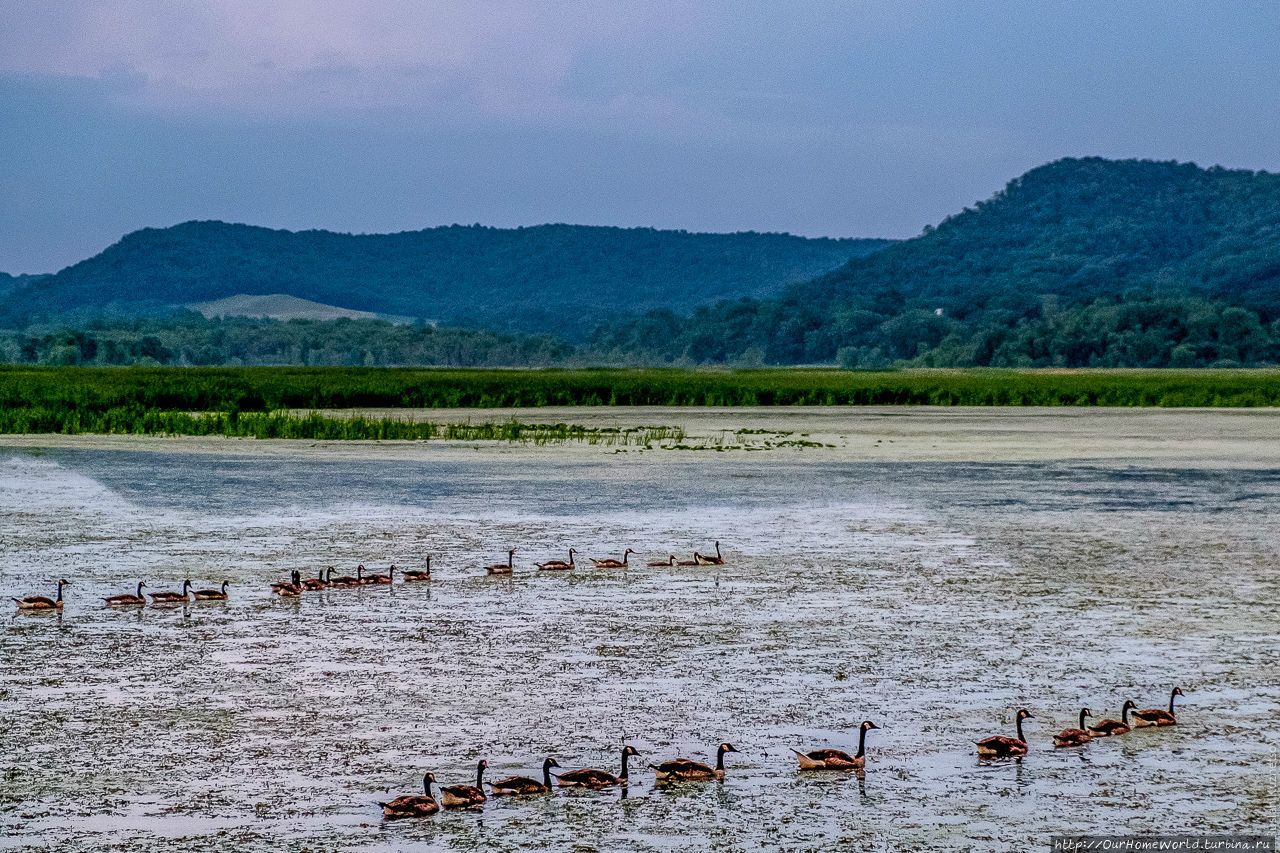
(559, 279)
(1076, 263)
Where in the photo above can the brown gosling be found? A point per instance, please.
(347, 581)
(696, 561)
(125, 598)
(42, 602)
(373, 580)
(211, 594)
(1000, 746)
(523, 785)
(169, 597)
(503, 568)
(414, 575)
(412, 805)
(835, 759)
(318, 582)
(1074, 737)
(589, 777)
(289, 589)
(557, 565)
(466, 796)
(1111, 728)
(717, 560)
(1157, 716)
(670, 561)
(684, 770)
(610, 563)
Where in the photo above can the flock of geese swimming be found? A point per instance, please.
(297, 584)
(676, 770)
(687, 770)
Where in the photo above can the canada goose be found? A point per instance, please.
(413, 805)
(170, 597)
(557, 565)
(670, 561)
(318, 582)
(289, 589)
(696, 561)
(1000, 746)
(1109, 728)
(610, 563)
(364, 580)
(525, 785)
(1157, 716)
(126, 598)
(835, 759)
(382, 579)
(503, 568)
(211, 594)
(42, 602)
(464, 796)
(591, 778)
(1074, 737)
(347, 581)
(717, 560)
(684, 770)
(418, 575)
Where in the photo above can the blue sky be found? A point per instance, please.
(842, 119)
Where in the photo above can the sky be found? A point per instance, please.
(863, 118)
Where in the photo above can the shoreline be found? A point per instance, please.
(1190, 438)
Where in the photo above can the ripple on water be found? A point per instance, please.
(933, 599)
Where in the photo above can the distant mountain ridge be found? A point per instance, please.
(1078, 262)
(560, 279)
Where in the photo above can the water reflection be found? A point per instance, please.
(849, 588)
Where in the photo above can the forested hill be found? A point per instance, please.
(558, 279)
(1079, 262)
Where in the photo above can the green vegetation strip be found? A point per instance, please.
(266, 389)
(136, 421)
(248, 401)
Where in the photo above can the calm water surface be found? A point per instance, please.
(934, 599)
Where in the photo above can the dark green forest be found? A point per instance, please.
(1079, 263)
(555, 279)
(191, 340)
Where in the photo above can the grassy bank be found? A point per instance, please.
(249, 401)
(138, 421)
(252, 402)
(266, 389)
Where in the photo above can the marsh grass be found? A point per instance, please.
(266, 425)
(268, 389)
(257, 402)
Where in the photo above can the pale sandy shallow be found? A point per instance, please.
(1216, 438)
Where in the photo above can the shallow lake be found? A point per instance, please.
(934, 598)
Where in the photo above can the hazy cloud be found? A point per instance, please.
(864, 117)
